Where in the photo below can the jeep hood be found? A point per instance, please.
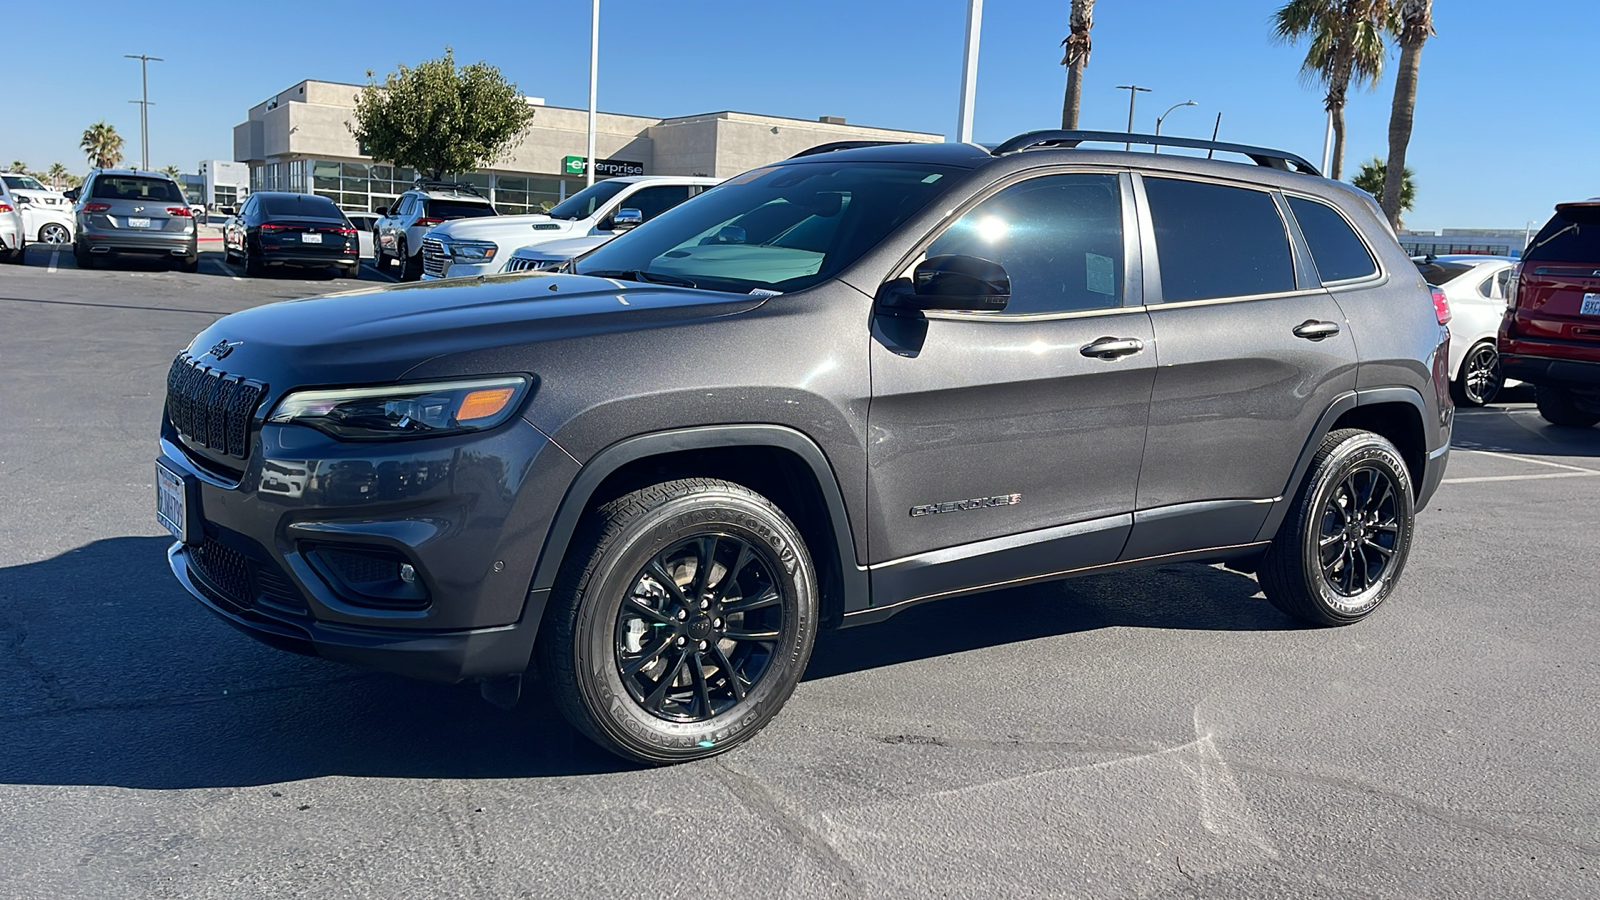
(371, 337)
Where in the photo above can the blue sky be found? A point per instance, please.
(1505, 124)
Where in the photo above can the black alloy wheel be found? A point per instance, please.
(681, 621)
(1480, 379)
(1360, 531)
(699, 627)
(1341, 547)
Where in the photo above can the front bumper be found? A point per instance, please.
(452, 269)
(468, 512)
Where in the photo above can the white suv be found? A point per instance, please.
(398, 234)
(46, 214)
(462, 248)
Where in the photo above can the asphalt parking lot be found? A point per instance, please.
(1164, 733)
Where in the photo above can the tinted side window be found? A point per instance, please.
(1059, 237)
(1217, 241)
(653, 201)
(1335, 248)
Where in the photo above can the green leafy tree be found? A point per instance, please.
(1413, 25)
(438, 117)
(1075, 58)
(1371, 176)
(1345, 45)
(102, 145)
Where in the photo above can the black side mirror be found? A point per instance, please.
(71, 194)
(21, 200)
(383, 210)
(229, 211)
(959, 283)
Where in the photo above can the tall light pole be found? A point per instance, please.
(144, 105)
(1133, 92)
(969, 70)
(594, 80)
(1163, 117)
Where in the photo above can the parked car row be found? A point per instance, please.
(31, 213)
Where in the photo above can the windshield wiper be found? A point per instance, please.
(643, 277)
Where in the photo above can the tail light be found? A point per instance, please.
(96, 207)
(5, 207)
(268, 226)
(1512, 285)
(183, 211)
(1441, 305)
(426, 221)
(346, 230)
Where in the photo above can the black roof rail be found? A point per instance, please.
(1262, 156)
(428, 184)
(842, 145)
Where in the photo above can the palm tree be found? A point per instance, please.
(57, 175)
(1371, 178)
(18, 166)
(1413, 24)
(102, 145)
(173, 173)
(1075, 58)
(1346, 44)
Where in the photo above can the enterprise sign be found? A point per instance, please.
(610, 168)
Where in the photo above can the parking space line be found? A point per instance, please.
(384, 275)
(226, 269)
(55, 257)
(1583, 473)
(1537, 462)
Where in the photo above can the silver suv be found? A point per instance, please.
(129, 212)
(398, 235)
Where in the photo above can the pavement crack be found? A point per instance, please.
(13, 638)
(791, 824)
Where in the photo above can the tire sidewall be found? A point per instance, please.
(1356, 452)
(599, 683)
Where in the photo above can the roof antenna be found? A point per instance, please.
(1214, 129)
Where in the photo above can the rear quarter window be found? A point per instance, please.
(1216, 241)
(1335, 247)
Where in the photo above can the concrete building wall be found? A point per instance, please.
(744, 141)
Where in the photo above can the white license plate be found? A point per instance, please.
(310, 238)
(1591, 305)
(171, 503)
(138, 223)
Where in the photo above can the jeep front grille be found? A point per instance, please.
(211, 408)
(435, 261)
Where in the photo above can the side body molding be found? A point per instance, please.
(854, 583)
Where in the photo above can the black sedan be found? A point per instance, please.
(277, 229)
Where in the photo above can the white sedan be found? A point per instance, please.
(1476, 289)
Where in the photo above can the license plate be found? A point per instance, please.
(310, 238)
(1591, 305)
(172, 503)
(138, 223)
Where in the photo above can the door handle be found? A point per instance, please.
(1312, 330)
(1112, 348)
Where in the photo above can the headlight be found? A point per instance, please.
(472, 251)
(406, 410)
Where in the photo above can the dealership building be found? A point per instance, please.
(300, 140)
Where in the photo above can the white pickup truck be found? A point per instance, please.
(482, 246)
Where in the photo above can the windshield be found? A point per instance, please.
(134, 187)
(783, 228)
(24, 182)
(583, 204)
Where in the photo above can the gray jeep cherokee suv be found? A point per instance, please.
(825, 391)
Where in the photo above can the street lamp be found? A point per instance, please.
(144, 105)
(594, 79)
(1163, 117)
(1133, 92)
(969, 71)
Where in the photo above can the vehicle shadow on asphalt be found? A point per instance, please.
(1506, 427)
(1170, 597)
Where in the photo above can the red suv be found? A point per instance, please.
(1550, 335)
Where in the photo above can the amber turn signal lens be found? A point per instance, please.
(483, 404)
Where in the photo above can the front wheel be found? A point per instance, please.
(410, 265)
(1559, 406)
(1342, 546)
(1480, 379)
(681, 620)
(54, 233)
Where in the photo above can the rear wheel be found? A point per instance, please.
(190, 265)
(252, 264)
(1341, 548)
(1559, 406)
(54, 233)
(681, 620)
(82, 257)
(410, 266)
(351, 271)
(1480, 379)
